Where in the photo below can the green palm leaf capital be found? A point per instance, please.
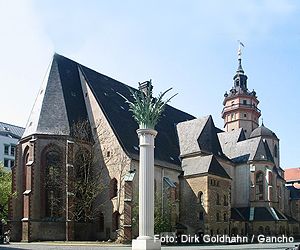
(145, 108)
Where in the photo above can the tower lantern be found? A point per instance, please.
(240, 105)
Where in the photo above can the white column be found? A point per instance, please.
(146, 192)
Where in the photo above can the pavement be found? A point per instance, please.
(111, 246)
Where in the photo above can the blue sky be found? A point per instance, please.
(188, 45)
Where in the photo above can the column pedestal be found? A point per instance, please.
(143, 244)
(146, 192)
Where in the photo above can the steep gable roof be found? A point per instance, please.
(231, 137)
(188, 134)
(199, 136)
(61, 103)
(241, 150)
(263, 152)
(107, 92)
(208, 139)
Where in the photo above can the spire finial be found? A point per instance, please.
(262, 122)
(240, 68)
(240, 49)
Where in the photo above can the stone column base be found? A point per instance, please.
(146, 244)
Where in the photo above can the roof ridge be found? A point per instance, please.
(12, 125)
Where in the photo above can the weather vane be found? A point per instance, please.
(240, 49)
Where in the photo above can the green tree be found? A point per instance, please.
(162, 216)
(5, 191)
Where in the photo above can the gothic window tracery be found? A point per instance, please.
(53, 184)
(259, 186)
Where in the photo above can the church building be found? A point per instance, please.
(207, 180)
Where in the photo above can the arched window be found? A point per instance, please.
(113, 188)
(275, 151)
(260, 230)
(115, 221)
(225, 200)
(53, 184)
(217, 216)
(267, 230)
(270, 178)
(25, 161)
(259, 186)
(225, 217)
(218, 199)
(200, 198)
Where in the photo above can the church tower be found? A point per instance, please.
(240, 105)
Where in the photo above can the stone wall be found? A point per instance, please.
(113, 161)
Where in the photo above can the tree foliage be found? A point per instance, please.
(162, 215)
(5, 191)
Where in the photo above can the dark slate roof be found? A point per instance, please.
(11, 130)
(263, 152)
(231, 137)
(294, 193)
(259, 214)
(203, 164)
(107, 90)
(63, 95)
(263, 214)
(291, 219)
(60, 102)
(199, 136)
(239, 150)
(239, 214)
(263, 131)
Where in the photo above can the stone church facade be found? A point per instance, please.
(206, 180)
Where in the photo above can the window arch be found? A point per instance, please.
(267, 230)
(25, 161)
(225, 217)
(200, 198)
(225, 200)
(259, 186)
(270, 176)
(217, 216)
(218, 199)
(53, 184)
(260, 230)
(113, 188)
